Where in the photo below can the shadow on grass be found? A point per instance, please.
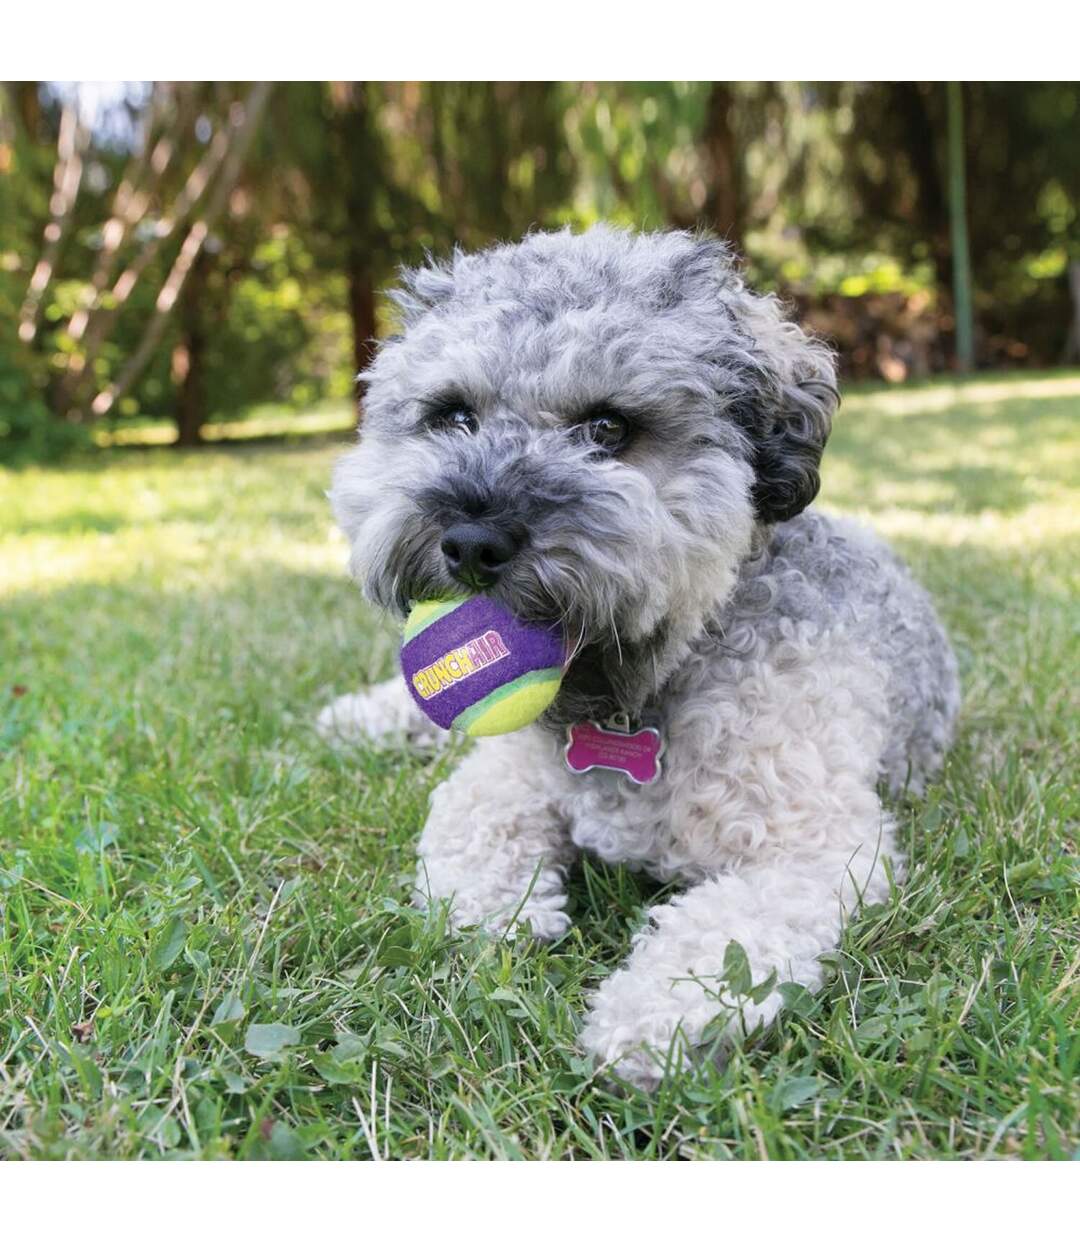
(274, 441)
(241, 450)
(932, 450)
(270, 641)
(75, 522)
(272, 637)
(294, 520)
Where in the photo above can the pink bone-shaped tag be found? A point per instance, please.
(636, 755)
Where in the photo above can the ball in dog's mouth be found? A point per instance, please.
(474, 667)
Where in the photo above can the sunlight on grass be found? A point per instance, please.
(207, 945)
(338, 417)
(935, 397)
(168, 518)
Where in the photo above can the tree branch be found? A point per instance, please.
(244, 122)
(108, 306)
(131, 201)
(67, 175)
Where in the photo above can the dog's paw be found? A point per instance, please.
(536, 923)
(644, 1025)
(637, 1053)
(539, 918)
(642, 1028)
(530, 924)
(383, 714)
(533, 921)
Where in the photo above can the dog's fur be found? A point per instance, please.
(791, 661)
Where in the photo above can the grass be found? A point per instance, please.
(259, 423)
(206, 948)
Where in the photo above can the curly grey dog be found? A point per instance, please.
(612, 430)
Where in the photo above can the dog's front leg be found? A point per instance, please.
(496, 843)
(669, 998)
(384, 714)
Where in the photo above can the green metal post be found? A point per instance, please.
(961, 255)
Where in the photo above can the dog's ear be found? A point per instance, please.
(787, 413)
(787, 451)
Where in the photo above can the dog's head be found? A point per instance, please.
(588, 427)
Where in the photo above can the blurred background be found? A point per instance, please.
(190, 261)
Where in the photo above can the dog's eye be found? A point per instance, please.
(451, 418)
(608, 431)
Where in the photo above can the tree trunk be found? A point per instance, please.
(28, 101)
(189, 359)
(190, 412)
(920, 144)
(961, 252)
(1072, 340)
(358, 164)
(362, 310)
(723, 202)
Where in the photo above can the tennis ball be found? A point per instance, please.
(474, 667)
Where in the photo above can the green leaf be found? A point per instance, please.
(284, 1144)
(792, 1092)
(1020, 872)
(170, 943)
(393, 956)
(796, 998)
(268, 1039)
(872, 1030)
(287, 889)
(10, 877)
(86, 1067)
(350, 1046)
(401, 937)
(763, 989)
(391, 1048)
(331, 1069)
(567, 1084)
(395, 949)
(96, 837)
(199, 960)
(231, 1009)
(737, 970)
(931, 818)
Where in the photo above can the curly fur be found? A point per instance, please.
(791, 661)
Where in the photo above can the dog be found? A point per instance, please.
(610, 430)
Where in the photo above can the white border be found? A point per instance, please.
(563, 39)
(443, 1202)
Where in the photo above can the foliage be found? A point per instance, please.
(208, 948)
(28, 430)
(282, 335)
(834, 192)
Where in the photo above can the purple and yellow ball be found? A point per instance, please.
(474, 667)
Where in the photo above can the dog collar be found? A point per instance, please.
(617, 747)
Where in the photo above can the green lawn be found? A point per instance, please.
(205, 942)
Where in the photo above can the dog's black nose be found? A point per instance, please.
(477, 552)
